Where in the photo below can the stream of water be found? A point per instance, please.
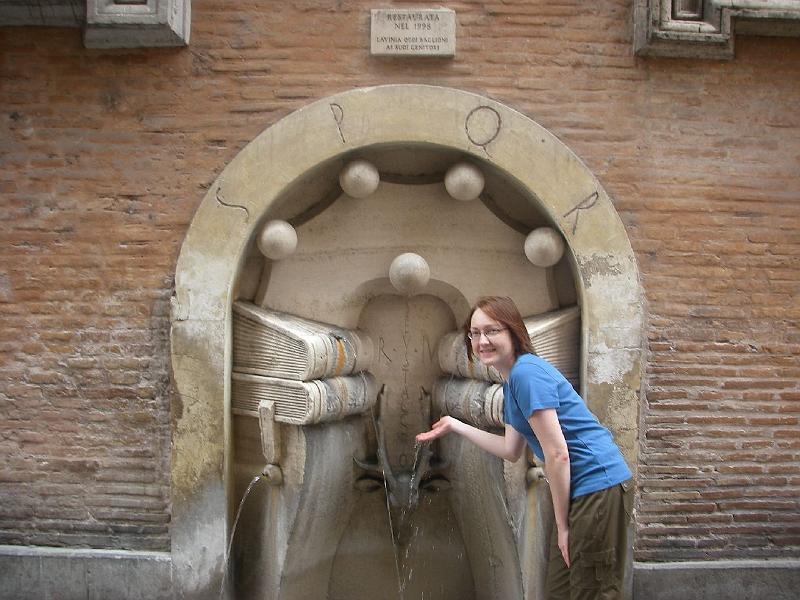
(395, 550)
(233, 532)
(407, 574)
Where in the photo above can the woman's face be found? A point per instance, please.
(491, 342)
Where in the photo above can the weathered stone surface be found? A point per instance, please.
(409, 273)
(28, 573)
(544, 247)
(777, 579)
(277, 240)
(359, 178)
(464, 181)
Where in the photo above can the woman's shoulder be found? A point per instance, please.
(530, 360)
(530, 364)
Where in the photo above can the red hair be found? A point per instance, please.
(503, 310)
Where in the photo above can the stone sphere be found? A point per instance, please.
(464, 181)
(409, 273)
(277, 240)
(359, 178)
(544, 247)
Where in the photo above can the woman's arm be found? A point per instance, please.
(508, 446)
(547, 430)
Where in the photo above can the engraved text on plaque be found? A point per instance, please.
(413, 32)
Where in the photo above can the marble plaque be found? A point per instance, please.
(413, 32)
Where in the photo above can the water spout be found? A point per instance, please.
(402, 488)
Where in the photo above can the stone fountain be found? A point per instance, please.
(346, 329)
(318, 297)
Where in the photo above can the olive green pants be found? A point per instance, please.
(598, 539)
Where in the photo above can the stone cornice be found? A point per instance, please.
(108, 23)
(153, 23)
(706, 28)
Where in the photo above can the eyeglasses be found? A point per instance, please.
(475, 334)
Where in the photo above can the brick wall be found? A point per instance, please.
(106, 154)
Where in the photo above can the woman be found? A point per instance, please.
(589, 480)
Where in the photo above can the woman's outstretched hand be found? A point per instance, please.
(442, 427)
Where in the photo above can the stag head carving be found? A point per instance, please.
(403, 488)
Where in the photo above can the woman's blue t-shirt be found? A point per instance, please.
(595, 461)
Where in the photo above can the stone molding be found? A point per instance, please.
(777, 579)
(151, 23)
(32, 573)
(706, 28)
(108, 23)
(36, 572)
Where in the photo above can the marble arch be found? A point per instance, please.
(559, 186)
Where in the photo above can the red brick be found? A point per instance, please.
(98, 197)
